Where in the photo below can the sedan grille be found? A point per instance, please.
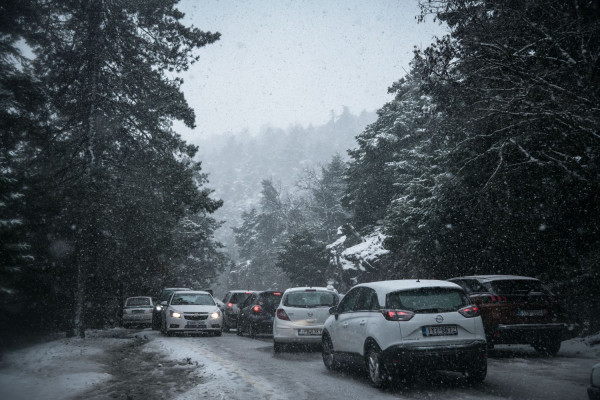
(195, 316)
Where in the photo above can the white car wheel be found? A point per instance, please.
(375, 367)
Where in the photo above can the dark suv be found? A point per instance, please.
(165, 295)
(257, 312)
(232, 300)
(516, 309)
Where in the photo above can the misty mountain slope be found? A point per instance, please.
(237, 163)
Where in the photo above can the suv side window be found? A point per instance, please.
(473, 286)
(367, 300)
(348, 302)
(249, 300)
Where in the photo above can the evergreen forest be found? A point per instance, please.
(486, 160)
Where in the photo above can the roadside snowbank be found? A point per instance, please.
(60, 369)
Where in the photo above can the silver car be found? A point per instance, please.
(301, 315)
(137, 311)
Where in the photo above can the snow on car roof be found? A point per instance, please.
(302, 289)
(401, 284)
(488, 278)
(190, 292)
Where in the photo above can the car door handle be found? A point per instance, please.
(363, 322)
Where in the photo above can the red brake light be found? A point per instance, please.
(469, 311)
(257, 309)
(230, 305)
(397, 315)
(277, 294)
(281, 314)
(496, 299)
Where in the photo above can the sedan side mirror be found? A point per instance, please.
(333, 310)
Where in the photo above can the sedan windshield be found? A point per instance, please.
(310, 299)
(427, 300)
(193, 299)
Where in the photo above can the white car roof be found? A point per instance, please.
(382, 288)
(487, 278)
(401, 284)
(303, 289)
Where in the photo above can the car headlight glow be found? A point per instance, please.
(175, 314)
(215, 315)
(158, 307)
(596, 375)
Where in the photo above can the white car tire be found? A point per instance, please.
(375, 368)
(329, 358)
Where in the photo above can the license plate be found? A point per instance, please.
(309, 332)
(531, 313)
(194, 325)
(138, 311)
(444, 330)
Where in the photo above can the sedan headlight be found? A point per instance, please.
(158, 307)
(596, 375)
(175, 314)
(215, 315)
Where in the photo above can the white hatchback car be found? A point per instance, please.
(402, 326)
(191, 312)
(301, 315)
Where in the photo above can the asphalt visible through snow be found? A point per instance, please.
(232, 367)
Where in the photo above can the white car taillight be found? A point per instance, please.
(281, 314)
(397, 315)
(469, 311)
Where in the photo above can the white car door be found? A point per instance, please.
(339, 330)
(366, 307)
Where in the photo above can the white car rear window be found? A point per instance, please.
(425, 300)
(310, 299)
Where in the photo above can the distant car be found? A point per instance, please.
(395, 327)
(257, 312)
(137, 311)
(517, 310)
(301, 315)
(232, 300)
(594, 388)
(165, 295)
(191, 312)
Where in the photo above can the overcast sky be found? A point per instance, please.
(281, 63)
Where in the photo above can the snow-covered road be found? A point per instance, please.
(143, 364)
(245, 368)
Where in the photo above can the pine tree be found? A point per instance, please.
(117, 176)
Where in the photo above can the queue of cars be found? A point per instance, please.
(390, 327)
